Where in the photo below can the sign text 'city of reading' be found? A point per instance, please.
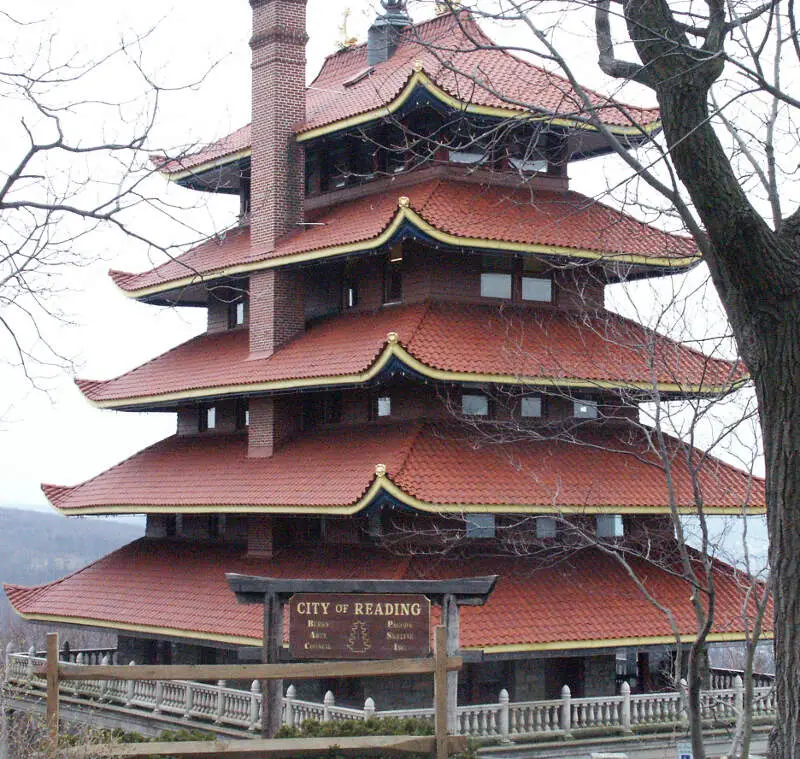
(358, 626)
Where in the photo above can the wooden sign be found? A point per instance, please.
(358, 626)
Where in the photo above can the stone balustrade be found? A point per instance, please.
(204, 705)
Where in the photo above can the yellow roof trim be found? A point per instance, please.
(574, 645)
(382, 483)
(242, 640)
(395, 350)
(208, 165)
(420, 79)
(239, 640)
(405, 213)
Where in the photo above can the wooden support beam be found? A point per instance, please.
(285, 747)
(289, 671)
(440, 691)
(272, 701)
(52, 692)
(451, 616)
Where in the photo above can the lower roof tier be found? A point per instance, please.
(426, 466)
(461, 215)
(442, 341)
(178, 588)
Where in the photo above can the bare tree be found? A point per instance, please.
(723, 167)
(75, 162)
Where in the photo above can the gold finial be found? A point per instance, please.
(380, 470)
(403, 201)
(417, 65)
(392, 337)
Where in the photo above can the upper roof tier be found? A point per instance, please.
(447, 60)
(448, 213)
(178, 588)
(442, 341)
(427, 467)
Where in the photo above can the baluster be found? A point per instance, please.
(327, 702)
(159, 695)
(369, 708)
(220, 702)
(504, 721)
(255, 712)
(291, 694)
(130, 688)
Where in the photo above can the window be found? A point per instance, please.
(609, 526)
(528, 165)
(480, 525)
(242, 414)
(545, 527)
(585, 409)
(538, 289)
(208, 418)
(170, 525)
(332, 408)
(474, 404)
(236, 314)
(383, 405)
(495, 285)
(531, 407)
(350, 294)
(467, 157)
(393, 277)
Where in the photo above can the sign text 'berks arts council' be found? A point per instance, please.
(358, 626)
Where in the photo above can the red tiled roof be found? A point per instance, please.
(446, 49)
(180, 586)
(456, 338)
(433, 466)
(465, 210)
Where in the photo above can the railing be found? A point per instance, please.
(724, 678)
(217, 705)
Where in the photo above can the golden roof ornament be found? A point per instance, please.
(403, 201)
(380, 470)
(392, 337)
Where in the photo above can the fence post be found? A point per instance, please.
(738, 695)
(625, 716)
(504, 721)
(29, 667)
(440, 691)
(131, 690)
(104, 684)
(255, 690)
(566, 710)
(327, 703)
(291, 694)
(188, 703)
(369, 708)
(52, 691)
(220, 701)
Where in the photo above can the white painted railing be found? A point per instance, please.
(203, 704)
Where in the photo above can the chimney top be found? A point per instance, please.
(383, 34)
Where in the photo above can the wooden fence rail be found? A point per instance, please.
(438, 666)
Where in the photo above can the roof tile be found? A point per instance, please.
(177, 585)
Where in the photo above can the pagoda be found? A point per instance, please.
(409, 372)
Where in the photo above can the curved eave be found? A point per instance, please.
(632, 133)
(558, 645)
(419, 79)
(407, 215)
(394, 350)
(382, 485)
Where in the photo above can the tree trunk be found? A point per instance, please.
(756, 272)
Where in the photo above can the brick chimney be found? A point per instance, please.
(276, 305)
(277, 164)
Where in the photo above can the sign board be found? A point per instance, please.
(683, 750)
(359, 626)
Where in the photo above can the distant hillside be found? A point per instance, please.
(37, 547)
